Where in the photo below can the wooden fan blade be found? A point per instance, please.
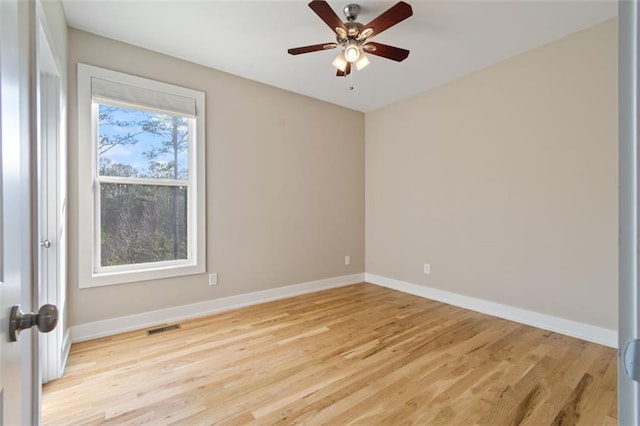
(312, 48)
(346, 71)
(385, 51)
(397, 13)
(324, 11)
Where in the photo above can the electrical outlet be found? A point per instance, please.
(347, 260)
(427, 268)
(213, 278)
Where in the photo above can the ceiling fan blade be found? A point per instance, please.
(346, 71)
(324, 11)
(396, 13)
(312, 48)
(386, 51)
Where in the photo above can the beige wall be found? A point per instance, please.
(285, 186)
(505, 181)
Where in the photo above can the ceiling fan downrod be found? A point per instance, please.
(351, 12)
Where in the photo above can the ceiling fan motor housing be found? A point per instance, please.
(353, 31)
(351, 12)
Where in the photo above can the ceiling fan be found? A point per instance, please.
(354, 37)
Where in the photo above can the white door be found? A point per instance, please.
(18, 384)
(629, 209)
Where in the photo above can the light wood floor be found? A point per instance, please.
(359, 354)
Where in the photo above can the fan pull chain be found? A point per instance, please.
(351, 79)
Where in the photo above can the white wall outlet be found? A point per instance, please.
(427, 268)
(347, 260)
(213, 278)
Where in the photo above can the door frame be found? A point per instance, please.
(50, 206)
(629, 219)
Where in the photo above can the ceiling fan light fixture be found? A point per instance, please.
(366, 33)
(362, 61)
(352, 51)
(340, 62)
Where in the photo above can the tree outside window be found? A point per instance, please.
(143, 181)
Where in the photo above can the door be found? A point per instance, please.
(18, 383)
(629, 196)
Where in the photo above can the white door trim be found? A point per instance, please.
(51, 209)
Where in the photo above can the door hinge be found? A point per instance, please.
(632, 359)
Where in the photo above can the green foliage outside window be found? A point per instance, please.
(141, 223)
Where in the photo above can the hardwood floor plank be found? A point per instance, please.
(360, 354)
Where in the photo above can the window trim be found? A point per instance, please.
(89, 273)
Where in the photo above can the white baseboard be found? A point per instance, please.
(113, 326)
(583, 331)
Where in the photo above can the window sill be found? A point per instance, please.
(127, 277)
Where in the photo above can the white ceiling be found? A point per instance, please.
(447, 39)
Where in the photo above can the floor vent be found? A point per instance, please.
(163, 329)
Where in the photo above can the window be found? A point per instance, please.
(141, 178)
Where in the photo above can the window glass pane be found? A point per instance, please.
(142, 223)
(137, 143)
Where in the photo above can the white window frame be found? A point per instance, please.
(90, 272)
